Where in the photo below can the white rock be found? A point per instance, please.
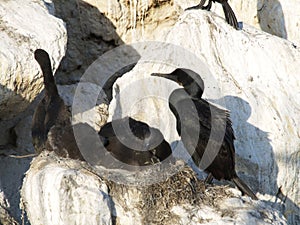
(25, 26)
(231, 211)
(64, 191)
(259, 78)
(58, 191)
(276, 17)
(258, 75)
(139, 20)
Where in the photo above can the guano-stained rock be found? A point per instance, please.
(25, 26)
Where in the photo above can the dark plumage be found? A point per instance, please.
(51, 125)
(229, 14)
(52, 129)
(148, 148)
(201, 122)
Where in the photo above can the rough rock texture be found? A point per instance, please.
(22, 31)
(24, 27)
(258, 75)
(147, 19)
(5, 217)
(140, 20)
(265, 92)
(276, 17)
(64, 191)
(259, 86)
(90, 34)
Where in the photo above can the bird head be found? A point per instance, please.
(188, 79)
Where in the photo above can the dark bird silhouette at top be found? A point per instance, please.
(229, 14)
(52, 128)
(199, 120)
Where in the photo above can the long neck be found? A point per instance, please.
(194, 90)
(49, 82)
(178, 122)
(175, 104)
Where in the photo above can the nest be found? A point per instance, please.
(154, 202)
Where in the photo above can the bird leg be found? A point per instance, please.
(209, 178)
(208, 7)
(199, 6)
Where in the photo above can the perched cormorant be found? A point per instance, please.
(51, 125)
(52, 128)
(229, 14)
(188, 123)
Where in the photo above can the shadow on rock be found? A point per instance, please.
(90, 34)
(271, 17)
(258, 165)
(12, 169)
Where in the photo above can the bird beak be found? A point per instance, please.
(166, 75)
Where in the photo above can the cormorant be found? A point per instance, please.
(229, 14)
(52, 128)
(188, 124)
(149, 147)
(51, 125)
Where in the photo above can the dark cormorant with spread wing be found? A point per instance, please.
(229, 14)
(199, 121)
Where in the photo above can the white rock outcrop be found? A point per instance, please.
(141, 20)
(276, 17)
(64, 191)
(60, 191)
(280, 18)
(26, 26)
(257, 74)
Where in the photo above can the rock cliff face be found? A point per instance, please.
(136, 20)
(257, 75)
(64, 191)
(280, 18)
(23, 31)
(24, 27)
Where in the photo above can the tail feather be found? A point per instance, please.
(243, 187)
(229, 15)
